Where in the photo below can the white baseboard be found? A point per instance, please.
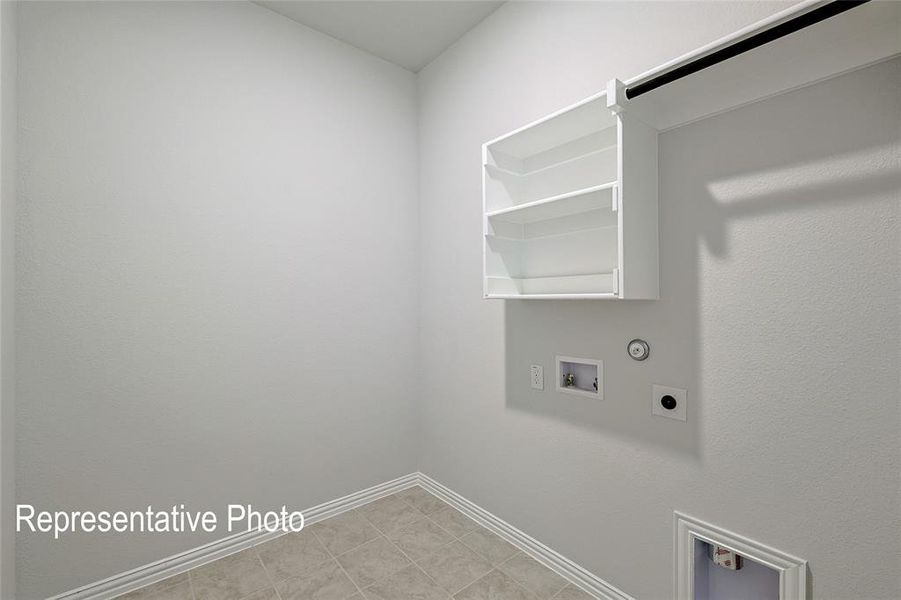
(168, 567)
(179, 563)
(550, 558)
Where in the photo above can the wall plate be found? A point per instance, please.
(536, 374)
(669, 402)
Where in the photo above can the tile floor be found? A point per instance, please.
(408, 546)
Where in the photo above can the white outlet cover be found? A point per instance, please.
(680, 412)
(537, 377)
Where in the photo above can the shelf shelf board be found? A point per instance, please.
(582, 149)
(496, 170)
(590, 296)
(529, 238)
(590, 285)
(579, 201)
(558, 128)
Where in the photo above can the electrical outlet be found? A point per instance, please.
(669, 402)
(537, 377)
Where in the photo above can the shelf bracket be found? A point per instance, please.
(616, 95)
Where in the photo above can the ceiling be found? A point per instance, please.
(409, 33)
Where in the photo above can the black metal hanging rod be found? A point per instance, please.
(822, 13)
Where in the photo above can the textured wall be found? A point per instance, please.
(8, 138)
(217, 270)
(779, 233)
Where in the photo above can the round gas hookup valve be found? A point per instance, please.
(638, 349)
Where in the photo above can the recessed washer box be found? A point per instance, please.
(580, 376)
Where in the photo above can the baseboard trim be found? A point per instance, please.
(185, 561)
(179, 563)
(552, 559)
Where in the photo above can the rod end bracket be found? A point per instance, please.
(616, 95)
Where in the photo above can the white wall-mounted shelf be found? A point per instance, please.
(570, 207)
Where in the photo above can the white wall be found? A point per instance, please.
(780, 263)
(217, 271)
(8, 137)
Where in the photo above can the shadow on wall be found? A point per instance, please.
(771, 158)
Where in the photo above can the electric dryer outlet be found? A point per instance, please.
(669, 402)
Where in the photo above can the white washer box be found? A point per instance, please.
(587, 374)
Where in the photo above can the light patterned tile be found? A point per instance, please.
(454, 566)
(373, 561)
(453, 521)
(174, 588)
(327, 582)
(267, 594)
(489, 546)
(421, 499)
(571, 592)
(420, 538)
(390, 513)
(533, 576)
(407, 584)
(292, 554)
(344, 532)
(495, 586)
(231, 578)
